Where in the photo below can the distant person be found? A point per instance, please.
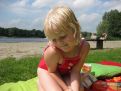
(103, 36)
(65, 54)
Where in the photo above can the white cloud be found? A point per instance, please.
(18, 23)
(37, 23)
(89, 22)
(83, 3)
(2, 5)
(89, 18)
(64, 2)
(13, 23)
(113, 4)
(24, 7)
(21, 3)
(20, 7)
(40, 3)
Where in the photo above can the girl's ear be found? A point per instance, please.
(76, 36)
(75, 33)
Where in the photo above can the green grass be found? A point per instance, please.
(13, 70)
(105, 54)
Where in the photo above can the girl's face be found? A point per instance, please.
(64, 41)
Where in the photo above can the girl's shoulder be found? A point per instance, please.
(85, 46)
(52, 58)
(84, 43)
(51, 53)
(51, 50)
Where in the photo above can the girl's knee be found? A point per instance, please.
(81, 88)
(39, 86)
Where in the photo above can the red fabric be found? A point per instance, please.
(42, 64)
(99, 86)
(65, 67)
(67, 64)
(114, 79)
(103, 86)
(110, 63)
(62, 68)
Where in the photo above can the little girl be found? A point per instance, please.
(64, 56)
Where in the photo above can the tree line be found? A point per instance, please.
(16, 32)
(110, 24)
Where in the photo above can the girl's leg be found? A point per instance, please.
(68, 82)
(81, 88)
(47, 82)
(39, 86)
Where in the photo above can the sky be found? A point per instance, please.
(30, 14)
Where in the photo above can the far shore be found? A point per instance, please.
(21, 49)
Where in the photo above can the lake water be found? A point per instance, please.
(10, 40)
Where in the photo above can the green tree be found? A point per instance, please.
(110, 24)
(103, 27)
(15, 32)
(86, 35)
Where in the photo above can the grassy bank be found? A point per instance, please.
(105, 54)
(12, 70)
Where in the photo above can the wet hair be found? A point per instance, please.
(61, 19)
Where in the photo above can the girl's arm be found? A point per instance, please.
(75, 73)
(60, 81)
(52, 58)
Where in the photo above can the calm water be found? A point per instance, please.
(10, 40)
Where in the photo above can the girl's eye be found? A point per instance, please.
(54, 40)
(62, 37)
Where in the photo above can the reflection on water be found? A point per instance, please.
(6, 39)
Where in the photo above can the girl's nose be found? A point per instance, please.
(60, 41)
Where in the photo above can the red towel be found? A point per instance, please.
(105, 86)
(105, 62)
(114, 79)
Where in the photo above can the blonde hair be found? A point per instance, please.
(61, 19)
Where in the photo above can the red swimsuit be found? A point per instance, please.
(67, 64)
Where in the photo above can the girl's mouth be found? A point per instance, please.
(64, 46)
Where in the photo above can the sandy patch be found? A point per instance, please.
(22, 49)
(19, 50)
(107, 44)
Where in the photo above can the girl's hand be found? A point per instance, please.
(69, 89)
